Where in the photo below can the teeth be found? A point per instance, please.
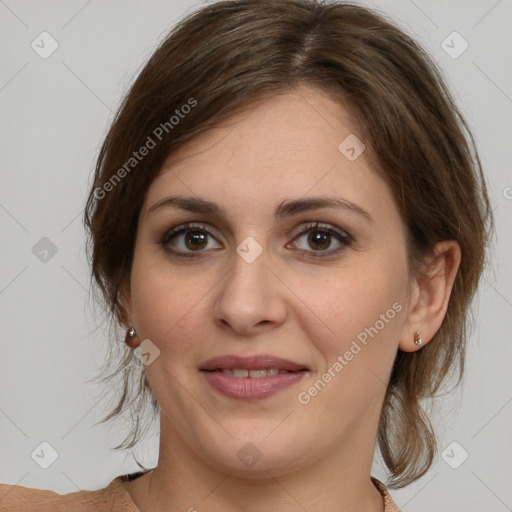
(256, 374)
(253, 374)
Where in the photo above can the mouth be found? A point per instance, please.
(251, 363)
(251, 378)
(240, 373)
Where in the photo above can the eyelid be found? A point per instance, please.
(187, 226)
(344, 238)
(184, 228)
(322, 226)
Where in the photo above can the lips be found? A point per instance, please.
(253, 377)
(257, 362)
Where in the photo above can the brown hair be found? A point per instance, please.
(232, 53)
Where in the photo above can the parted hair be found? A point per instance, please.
(228, 55)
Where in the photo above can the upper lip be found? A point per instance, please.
(256, 362)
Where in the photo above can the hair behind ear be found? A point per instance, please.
(406, 437)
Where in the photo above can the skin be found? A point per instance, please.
(314, 456)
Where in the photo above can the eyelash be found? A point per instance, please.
(327, 229)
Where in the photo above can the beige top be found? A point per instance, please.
(113, 498)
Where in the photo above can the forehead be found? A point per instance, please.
(285, 147)
(290, 123)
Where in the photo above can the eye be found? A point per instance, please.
(320, 238)
(188, 239)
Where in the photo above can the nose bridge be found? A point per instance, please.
(248, 297)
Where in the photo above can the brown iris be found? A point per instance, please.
(319, 239)
(195, 240)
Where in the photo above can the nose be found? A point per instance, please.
(250, 298)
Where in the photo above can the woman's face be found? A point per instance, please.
(267, 241)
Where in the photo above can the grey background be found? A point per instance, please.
(54, 114)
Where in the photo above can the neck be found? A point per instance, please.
(182, 480)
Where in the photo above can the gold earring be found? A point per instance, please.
(131, 339)
(417, 338)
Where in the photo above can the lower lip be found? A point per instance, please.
(247, 388)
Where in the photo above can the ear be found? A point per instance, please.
(125, 304)
(430, 295)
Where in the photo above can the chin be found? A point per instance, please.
(256, 457)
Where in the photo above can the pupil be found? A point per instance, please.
(319, 239)
(195, 240)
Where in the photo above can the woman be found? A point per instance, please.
(289, 220)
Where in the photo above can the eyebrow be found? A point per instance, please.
(285, 208)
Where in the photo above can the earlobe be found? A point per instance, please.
(434, 287)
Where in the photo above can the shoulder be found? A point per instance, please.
(113, 498)
(389, 504)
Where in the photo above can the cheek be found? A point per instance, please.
(166, 305)
(363, 304)
(364, 313)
